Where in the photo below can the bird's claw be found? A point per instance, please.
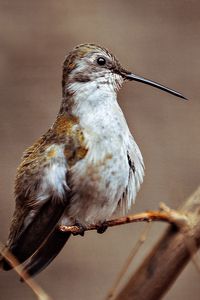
(81, 230)
(102, 227)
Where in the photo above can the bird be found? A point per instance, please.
(84, 169)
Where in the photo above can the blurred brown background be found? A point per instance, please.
(156, 39)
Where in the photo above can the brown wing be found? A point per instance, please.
(33, 220)
(33, 230)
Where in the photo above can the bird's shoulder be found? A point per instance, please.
(65, 133)
(58, 149)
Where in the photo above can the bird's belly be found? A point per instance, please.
(98, 187)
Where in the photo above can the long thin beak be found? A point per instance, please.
(131, 76)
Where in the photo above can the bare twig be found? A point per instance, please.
(167, 259)
(40, 293)
(167, 215)
(128, 261)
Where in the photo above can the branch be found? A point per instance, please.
(168, 258)
(166, 215)
(39, 292)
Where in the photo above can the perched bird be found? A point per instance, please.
(84, 168)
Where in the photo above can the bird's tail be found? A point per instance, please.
(47, 252)
(39, 236)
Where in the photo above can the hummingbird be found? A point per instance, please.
(84, 168)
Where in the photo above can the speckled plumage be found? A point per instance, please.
(85, 167)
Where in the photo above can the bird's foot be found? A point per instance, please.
(81, 230)
(102, 227)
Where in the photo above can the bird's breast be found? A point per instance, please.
(101, 177)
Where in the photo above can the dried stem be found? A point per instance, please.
(40, 293)
(167, 259)
(166, 215)
(128, 261)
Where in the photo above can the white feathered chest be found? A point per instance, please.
(112, 171)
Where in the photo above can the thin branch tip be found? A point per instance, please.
(178, 218)
(166, 214)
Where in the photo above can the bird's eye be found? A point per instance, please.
(101, 61)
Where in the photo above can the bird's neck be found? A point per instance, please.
(88, 99)
(95, 111)
(96, 108)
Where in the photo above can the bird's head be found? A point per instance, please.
(92, 63)
(88, 62)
